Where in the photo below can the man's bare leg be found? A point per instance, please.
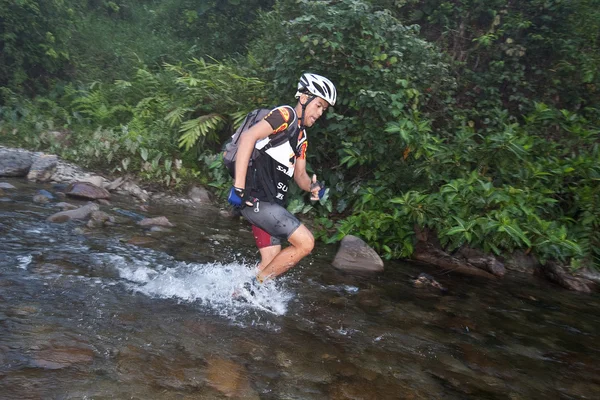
(267, 254)
(301, 244)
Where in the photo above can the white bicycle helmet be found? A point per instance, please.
(317, 85)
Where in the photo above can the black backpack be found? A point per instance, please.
(231, 147)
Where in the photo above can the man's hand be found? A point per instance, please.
(238, 197)
(317, 189)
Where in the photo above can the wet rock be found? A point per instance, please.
(354, 255)
(40, 199)
(98, 219)
(283, 359)
(157, 221)
(353, 390)
(521, 262)
(479, 259)
(559, 274)
(15, 162)
(339, 302)
(62, 357)
(5, 185)
(142, 241)
(199, 195)
(86, 190)
(43, 197)
(43, 167)
(368, 299)
(24, 310)
(430, 253)
(427, 281)
(304, 367)
(345, 369)
(589, 274)
(229, 378)
(584, 390)
(66, 206)
(129, 214)
(79, 213)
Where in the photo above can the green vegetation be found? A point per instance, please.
(476, 119)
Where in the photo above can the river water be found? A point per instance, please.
(86, 314)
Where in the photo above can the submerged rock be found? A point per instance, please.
(62, 357)
(157, 221)
(79, 213)
(427, 281)
(229, 378)
(5, 185)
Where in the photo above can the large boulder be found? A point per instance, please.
(43, 167)
(354, 255)
(15, 162)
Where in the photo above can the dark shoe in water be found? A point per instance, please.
(248, 289)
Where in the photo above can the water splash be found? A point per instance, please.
(212, 285)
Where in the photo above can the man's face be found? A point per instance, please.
(314, 110)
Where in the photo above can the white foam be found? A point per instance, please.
(212, 285)
(24, 261)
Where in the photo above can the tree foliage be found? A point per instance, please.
(33, 43)
(477, 119)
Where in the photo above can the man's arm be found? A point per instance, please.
(301, 176)
(247, 141)
(305, 182)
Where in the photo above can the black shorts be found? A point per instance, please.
(274, 222)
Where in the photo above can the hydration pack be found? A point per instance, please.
(231, 147)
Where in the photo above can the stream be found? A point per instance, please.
(127, 312)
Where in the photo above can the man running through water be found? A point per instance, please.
(260, 189)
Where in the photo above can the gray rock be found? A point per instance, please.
(157, 221)
(15, 162)
(479, 259)
(98, 219)
(66, 206)
(5, 185)
(40, 199)
(199, 195)
(95, 180)
(43, 167)
(134, 190)
(354, 255)
(559, 274)
(114, 184)
(80, 213)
